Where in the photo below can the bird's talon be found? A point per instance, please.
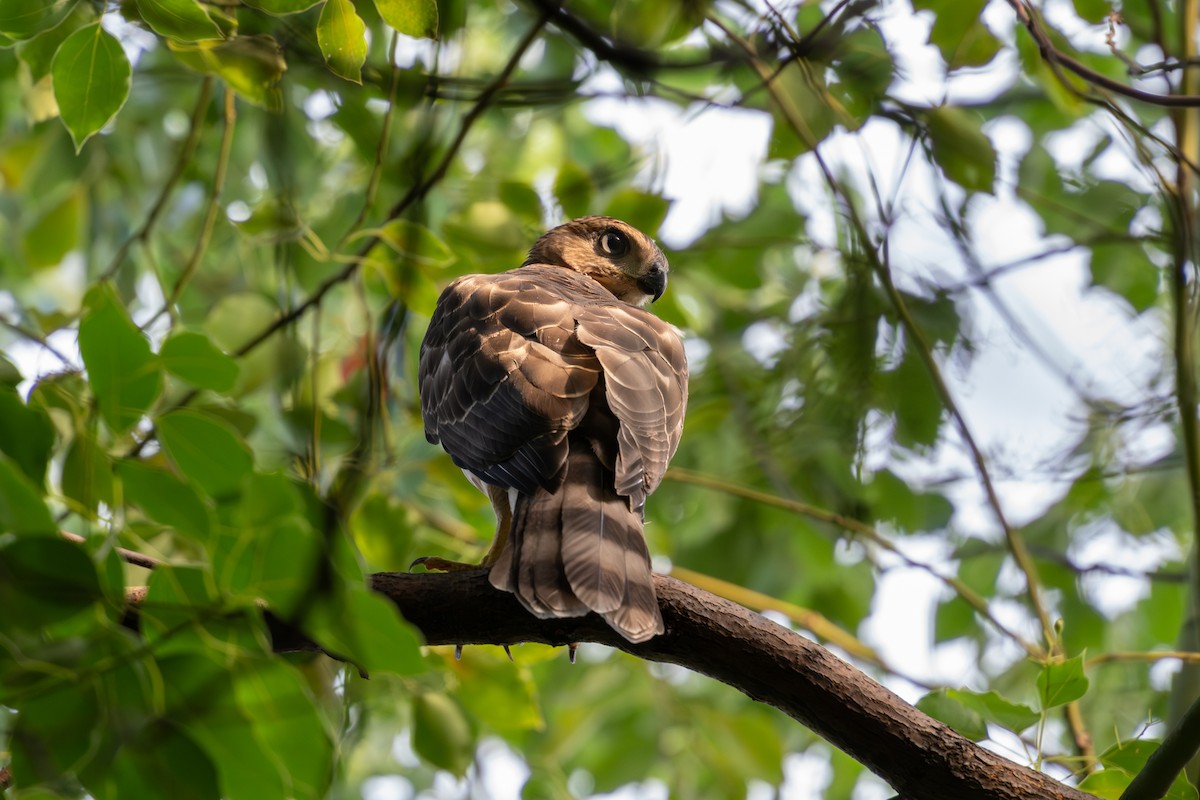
(419, 562)
(507, 652)
(458, 652)
(572, 648)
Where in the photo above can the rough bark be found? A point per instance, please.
(917, 755)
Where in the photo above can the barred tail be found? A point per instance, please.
(581, 549)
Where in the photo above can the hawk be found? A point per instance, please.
(563, 400)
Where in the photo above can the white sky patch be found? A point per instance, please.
(900, 626)
(500, 771)
(387, 787)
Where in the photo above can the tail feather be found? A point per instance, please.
(638, 618)
(530, 565)
(580, 549)
(597, 527)
(541, 556)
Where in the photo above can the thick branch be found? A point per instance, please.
(919, 756)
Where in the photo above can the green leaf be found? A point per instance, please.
(909, 391)
(959, 33)
(21, 19)
(907, 508)
(499, 695)
(45, 580)
(183, 613)
(644, 211)
(366, 627)
(1126, 759)
(165, 499)
(280, 565)
(1094, 11)
(87, 473)
(803, 112)
(1108, 784)
(195, 359)
(206, 450)
(10, 376)
(441, 733)
(1061, 683)
(55, 232)
(994, 708)
(267, 498)
(574, 189)
(1125, 271)
(954, 619)
(961, 149)
(865, 71)
(942, 706)
(38, 52)
(22, 510)
(412, 17)
(55, 732)
(341, 35)
(91, 81)
(26, 435)
(124, 374)
(201, 698)
(252, 65)
(160, 763)
(283, 6)
(182, 20)
(415, 244)
(272, 693)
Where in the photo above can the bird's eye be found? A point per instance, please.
(614, 243)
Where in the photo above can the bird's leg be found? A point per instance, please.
(499, 497)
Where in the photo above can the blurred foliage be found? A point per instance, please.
(225, 225)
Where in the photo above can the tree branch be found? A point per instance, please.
(917, 755)
(1056, 57)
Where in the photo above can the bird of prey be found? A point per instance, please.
(563, 400)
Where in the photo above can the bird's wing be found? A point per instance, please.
(646, 385)
(503, 378)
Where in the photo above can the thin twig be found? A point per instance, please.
(1151, 656)
(1056, 57)
(382, 147)
(128, 556)
(195, 126)
(210, 214)
(38, 339)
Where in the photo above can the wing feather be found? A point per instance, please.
(502, 378)
(645, 381)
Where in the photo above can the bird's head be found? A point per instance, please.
(617, 255)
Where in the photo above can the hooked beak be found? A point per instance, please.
(654, 282)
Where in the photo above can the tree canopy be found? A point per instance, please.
(941, 321)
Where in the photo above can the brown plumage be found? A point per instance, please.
(563, 400)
